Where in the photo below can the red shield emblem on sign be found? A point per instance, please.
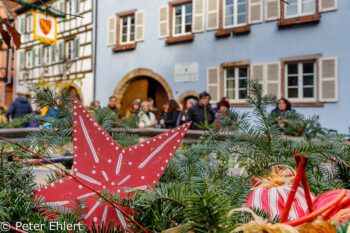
(45, 25)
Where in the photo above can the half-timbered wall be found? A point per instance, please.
(71, 57)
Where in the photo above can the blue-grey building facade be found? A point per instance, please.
(178, 49)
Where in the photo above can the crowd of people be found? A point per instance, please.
(172, 114)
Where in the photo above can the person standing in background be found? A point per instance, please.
(19, 107)
(146, 118)
(112, 106)
(95, 104)
(151, 106)
(172, 117)
(201, 114)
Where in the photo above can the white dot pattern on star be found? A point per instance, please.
(102, 165)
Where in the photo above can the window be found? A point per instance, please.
(70, 9)
(236, 83)
(127, 25)
(29, 21)
(301, 81)
(296, 8)
(37, 56)
(29, 59)
(182, 20)
(47, 55)
(235, 13)
(70, 50)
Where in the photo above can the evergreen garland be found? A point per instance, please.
(197, 190)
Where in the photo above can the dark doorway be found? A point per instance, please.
(142, 88)
(74, 92)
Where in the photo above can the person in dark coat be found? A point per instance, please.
(172, 117)
(19, 107)
(199, 110)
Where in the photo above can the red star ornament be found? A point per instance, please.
(102, 164)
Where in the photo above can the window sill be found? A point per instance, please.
(310, 104)
(241, 30)
(180, 39)
(226, 32)
(221, 33)
(300, 20)
(126, 47)
(245, 104)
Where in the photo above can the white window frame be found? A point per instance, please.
(29, 59)
(72, 50)
(236, 70)
(47, 55)
(128, 30)
(235, 15)
(183, 20)
(300, 82)
(299, 14)
(29, 23)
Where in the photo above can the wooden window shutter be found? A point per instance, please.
(273, 79)
(60, 51)
(198, 16)
(61, 8)
(212, 14)
(269, 75)
(272, 10)
(328, 5)
(258, 74)
(255, 11)
(21, 60)
(139, 26)
(213, 83)
(111, 31)
(33, 57)
(163, 21)
(328, 79)
(76, 47)
(53, 54)
(40, 55)
(22, 25)
(77, 7)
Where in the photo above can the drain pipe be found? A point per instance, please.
(94, 43)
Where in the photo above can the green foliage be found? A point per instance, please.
(343, 227)
(197, 189)
(16, 122)
(260, 145)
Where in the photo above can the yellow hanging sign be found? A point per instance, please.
(45, 27)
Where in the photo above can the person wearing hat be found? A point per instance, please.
(201, 112)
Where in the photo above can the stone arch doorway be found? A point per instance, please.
(142, 84)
